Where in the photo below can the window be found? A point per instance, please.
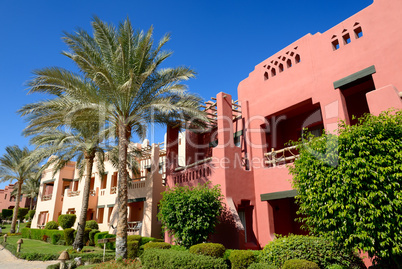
(335, 44)
(100, 215)
(109, 214)
(346, 39)
(358, 32)
(104, 181)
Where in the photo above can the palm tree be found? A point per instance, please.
(81, 142)
(125, 82)
(30, 188)
(13, 166)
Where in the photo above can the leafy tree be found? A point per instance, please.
(6, 213)
(123, 79)
(30, 189)
(191, 213)
(350, 185)
(13, 166)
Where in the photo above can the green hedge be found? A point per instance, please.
(37, 234)
(316, 249)
(67, 221)
(102, 235)
(158, 245)
(241, 259)
(69, 236)
(134, 238)
(92, 224)
(145, 240)
(132, 249)
(52, 225)
(299, 264)
(209, 249)
(171, 259)
(92, 237)
(262, 266)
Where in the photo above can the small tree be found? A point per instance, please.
(191, 213)
(22, 213)
(350, 185)
(7, 213)
(67, 221)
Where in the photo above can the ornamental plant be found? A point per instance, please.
(350, 185)
(67, 221)
(191, 213)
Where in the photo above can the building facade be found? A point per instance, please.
(7, 200)
(351, 69)
(61, 192)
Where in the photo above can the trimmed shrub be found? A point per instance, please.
(209, 249)
(37, 234)
(92, 237)
(171, 259)
(55, 236)
(7, 213)
(28, 224)
(52, 225)
(30, 215)
(85, 240)
(316, 249)
(22, 212)
(299, 264)
(241, 259)
(26, 233)
(158, 245)
(67, 221)
(102, 235)
(132, 248)
(92, 224)
(69, 236)
(135, 237)
(262, 266)
(145, 240)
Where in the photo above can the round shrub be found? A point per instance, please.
(158, 245)
(134, 237)
(208, 249)
(92, 224)
(316, 249)
(52, 225)
(132, 248)
(241, 259)
(262, 266)
(67, 221)
(299, 264)
(92, 237)
(30, 215)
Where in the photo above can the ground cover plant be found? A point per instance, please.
(350, 186)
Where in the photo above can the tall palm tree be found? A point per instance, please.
(125, 82)
(14, 167)
(30, 188)
(83, 142)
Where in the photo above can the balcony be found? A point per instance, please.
(47, 197)
(281, 156)
(113, 190)
(192, 171)
(73, 193)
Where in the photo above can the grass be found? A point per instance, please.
(6, 228)
(39, 250)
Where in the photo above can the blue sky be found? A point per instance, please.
(221, 40)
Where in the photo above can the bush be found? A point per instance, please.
(37, 234)
(7, 213)
(158, 245)
(145, 240)
(22, 212)
(336, 266)
(92, 224)
(299, 264)
(67, 221)
(241, 259)
(209, 249)
(26, 233)
(316, 249)
(28, 224)
(262, 266)
(52, 225)
(134, 238)
(92, 237)
(132, 248)
(30, 215)
(69, 236)
(102, 235)
(171, 259)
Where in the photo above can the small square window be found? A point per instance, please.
(358, 32)
(335, 44)
(346, 39)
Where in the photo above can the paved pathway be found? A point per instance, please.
(9, 261)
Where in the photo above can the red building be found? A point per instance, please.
(7, 201)
(351, 69)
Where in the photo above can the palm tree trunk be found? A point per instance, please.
(79, 238)
(121, 234)
(17, 206)
(30, 203)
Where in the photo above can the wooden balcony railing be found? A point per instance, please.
(46, 197)
(192, 171)
(281, 156)
(113, 190)
(73, 193)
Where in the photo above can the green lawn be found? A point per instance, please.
(6, 228)
(39, 250)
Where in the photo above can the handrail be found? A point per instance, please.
(274, 158)
(193, 164)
